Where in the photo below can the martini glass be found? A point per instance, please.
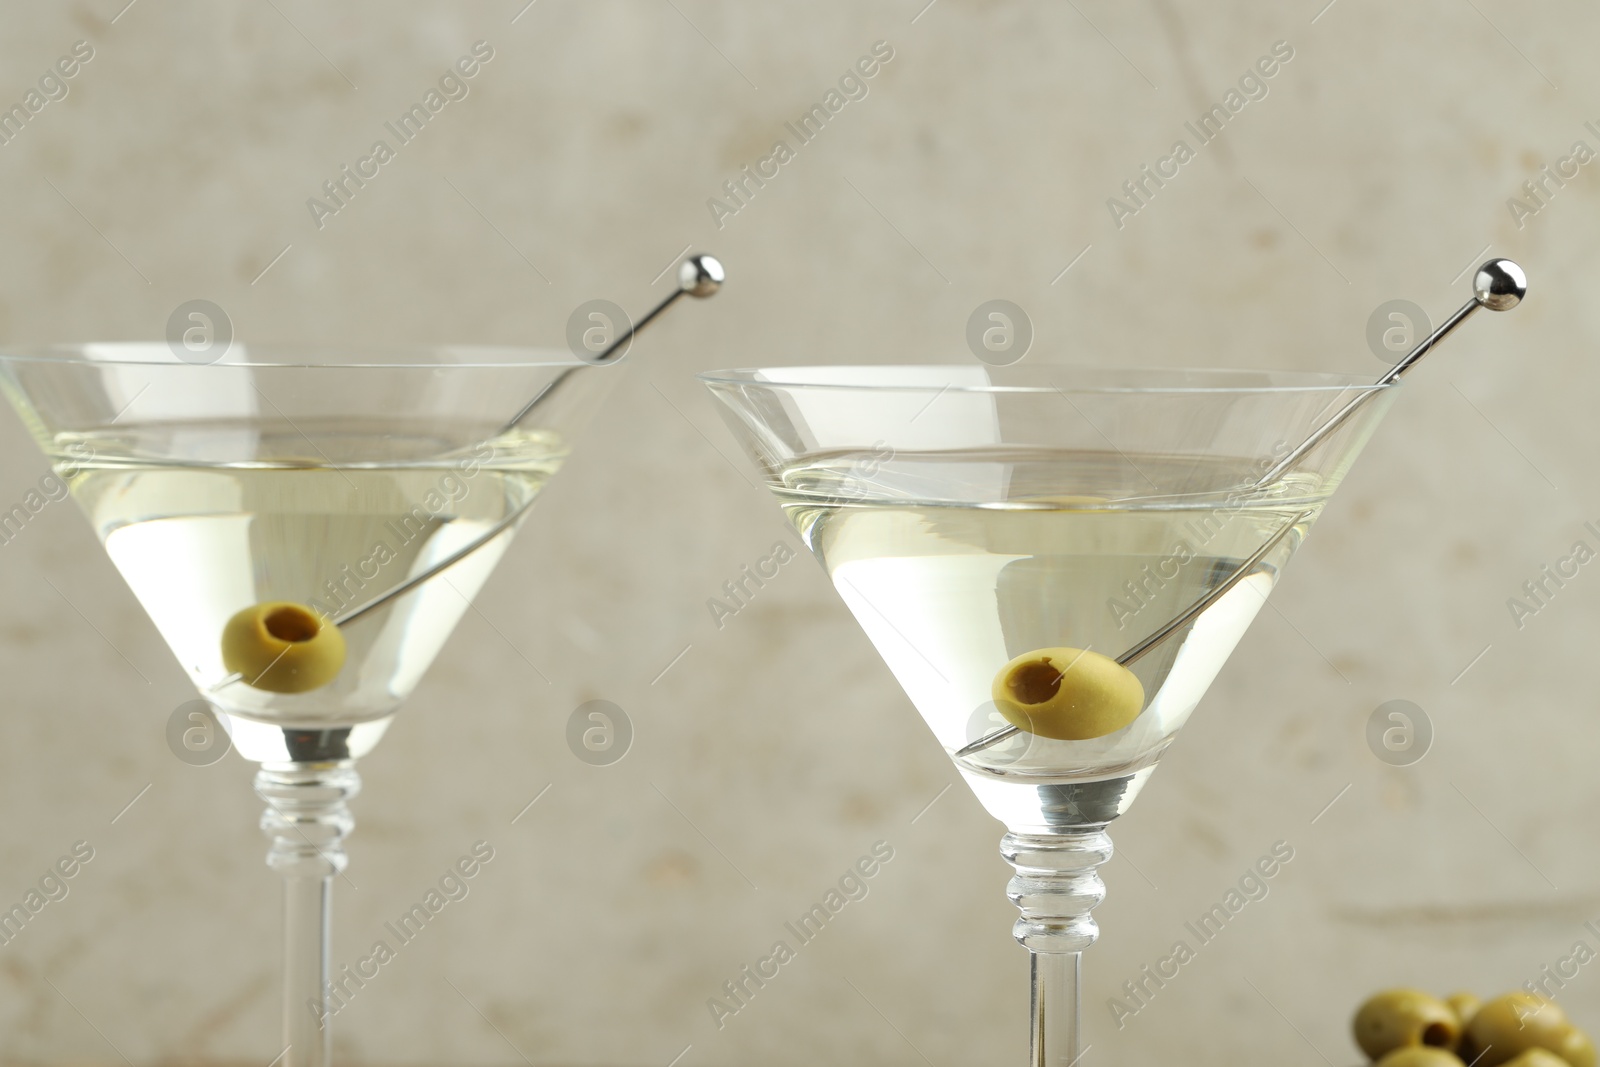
(1055, 563)
(329, 498)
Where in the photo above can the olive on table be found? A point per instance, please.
(1509, 1025)
(1578, 1049)
(1537, 1057)
(1420, 1056)
(1403, 1018)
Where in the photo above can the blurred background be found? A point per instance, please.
(770, 752)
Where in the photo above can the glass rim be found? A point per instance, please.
(300, 356)
(1211, 380)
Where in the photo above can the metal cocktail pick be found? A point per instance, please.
(699, 276)
(1499, 285)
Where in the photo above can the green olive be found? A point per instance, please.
(1577, 1049)
(1420, 1056)
(282, 647)
(1510, 1025)
(1404, 1018)
(1465, 1005)
(1067, 694)
(1537, 1057)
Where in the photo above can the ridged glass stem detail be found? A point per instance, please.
(1055, 886)
(306, 821)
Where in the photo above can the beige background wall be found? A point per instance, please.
(778, 748)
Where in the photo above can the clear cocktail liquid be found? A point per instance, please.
(954, 563)
(329, 515)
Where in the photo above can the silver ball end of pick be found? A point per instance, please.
(1500, 285)
(701, 275)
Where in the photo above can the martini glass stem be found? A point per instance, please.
(1057, 883)
(307, 1038)
(306, 821)
(1054, 1040)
